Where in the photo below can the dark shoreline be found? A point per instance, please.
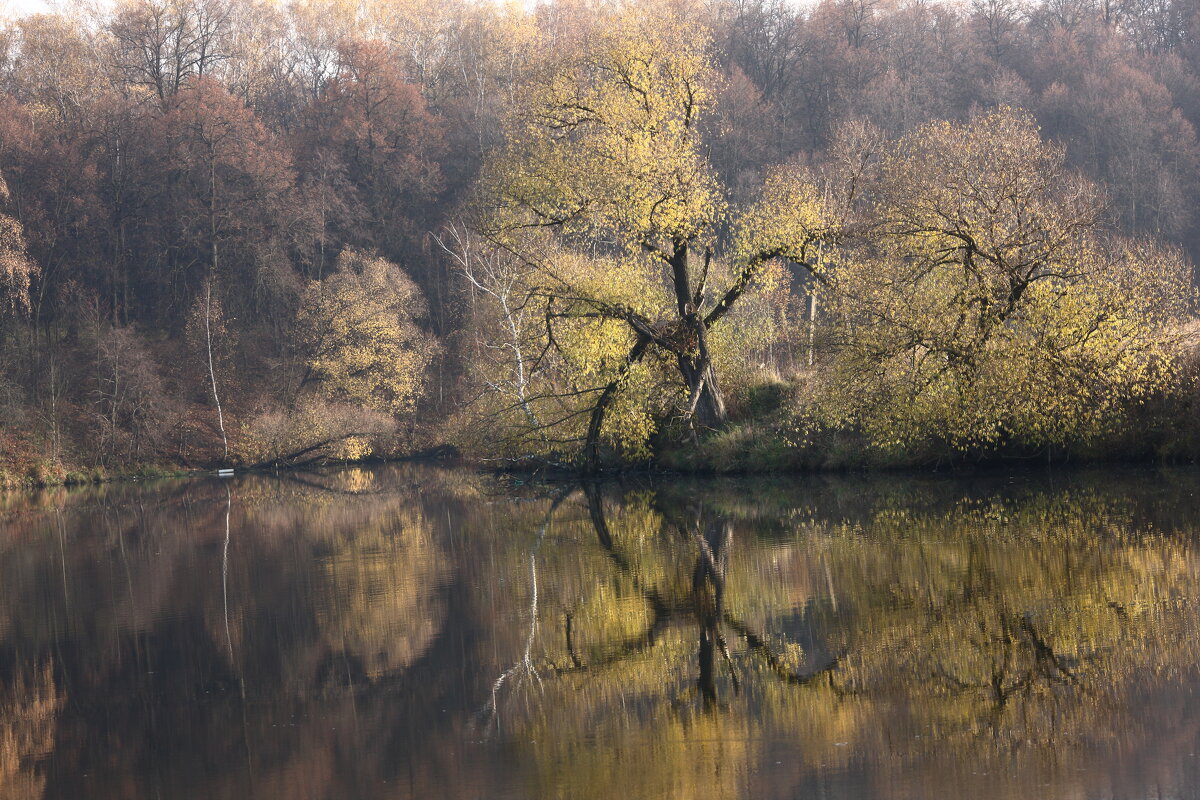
(531, 472)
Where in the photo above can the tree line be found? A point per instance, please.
(257, 232)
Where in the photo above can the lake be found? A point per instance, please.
(412, 632)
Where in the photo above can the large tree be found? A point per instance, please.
(986, 301)
(605, 194)
(359, 333)
(216, 203)
(163, 45)
(369, 150)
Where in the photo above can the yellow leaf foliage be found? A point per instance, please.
(16, 268)
(988, 304)
(359, 332)
(606, 138)
(605, 195)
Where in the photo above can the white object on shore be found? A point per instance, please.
(224, 473)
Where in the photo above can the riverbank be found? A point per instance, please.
(766, 439)
(740, 450)
(45, 473)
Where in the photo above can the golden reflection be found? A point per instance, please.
(390, 628)
(986, 630)
(382, 593)
(28, 717)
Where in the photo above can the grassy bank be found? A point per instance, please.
(769, 433)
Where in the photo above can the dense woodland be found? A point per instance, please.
(719, 234)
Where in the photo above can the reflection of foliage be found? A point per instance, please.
(28, 716)
(1025, 623)
(665, 755)
(624, 625)
(882, 627)
(383, 603)
(986, 628)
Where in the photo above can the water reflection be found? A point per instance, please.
(409, 632)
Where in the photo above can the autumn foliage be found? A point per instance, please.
(250, 232)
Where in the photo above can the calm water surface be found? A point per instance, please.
(414, 633)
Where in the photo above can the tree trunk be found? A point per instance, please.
(707, 405)
(591, 447)
(812, 326)
(212, 276)
(212, 374)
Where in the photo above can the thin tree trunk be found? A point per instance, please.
(212, 375)
(522, 376)
(812, 326)
(212, 276)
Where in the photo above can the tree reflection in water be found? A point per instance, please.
(1009, 635)
(408, 632)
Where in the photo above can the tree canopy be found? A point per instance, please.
(604, 193)
(16, 268)
(986, 300)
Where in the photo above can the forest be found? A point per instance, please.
(709, 235)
